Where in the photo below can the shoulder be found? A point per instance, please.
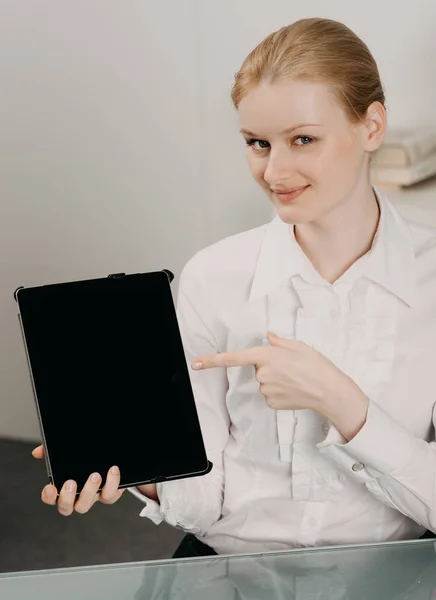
(423, 238)
(232, 257)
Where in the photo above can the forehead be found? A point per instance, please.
(273, 107)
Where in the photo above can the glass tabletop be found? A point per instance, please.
(390, 571)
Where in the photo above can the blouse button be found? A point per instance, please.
(325, 428)
(358, 467)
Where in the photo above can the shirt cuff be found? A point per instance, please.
(152, 508)
(381, 447)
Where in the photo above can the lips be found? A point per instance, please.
(296, 189)
(286, 197)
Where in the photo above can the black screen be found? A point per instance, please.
(111, 379)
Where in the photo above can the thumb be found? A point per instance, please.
(289, 343)
(275, 340)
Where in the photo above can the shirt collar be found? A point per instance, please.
(390, 262)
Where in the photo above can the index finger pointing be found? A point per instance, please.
(241, 358)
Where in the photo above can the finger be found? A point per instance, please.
(241, 358)
(67, 497)
(290, 344)
(110, 492)
(38, 452)
(49, 495)
(88, 495)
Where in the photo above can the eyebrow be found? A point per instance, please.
(286, 131)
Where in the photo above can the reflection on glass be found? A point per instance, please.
(377, 572)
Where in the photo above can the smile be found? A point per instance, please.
(289, 196)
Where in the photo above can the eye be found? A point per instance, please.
(262, 144)
(259, 145)
(304, 137)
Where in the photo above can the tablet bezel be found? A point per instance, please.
(46, 443)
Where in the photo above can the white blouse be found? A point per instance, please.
(286, 479)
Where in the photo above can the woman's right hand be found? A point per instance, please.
(68, 502)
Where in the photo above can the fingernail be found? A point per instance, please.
(70, 486)
(48, 491)
(197, 365)
(95, 477)
(115, 471)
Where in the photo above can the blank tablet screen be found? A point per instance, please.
(111, 380)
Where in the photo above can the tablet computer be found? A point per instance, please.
(110, 380)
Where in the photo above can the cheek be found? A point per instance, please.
(338, 160)
(348, 152)
(257, 167)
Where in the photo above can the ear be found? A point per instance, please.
(375, 126)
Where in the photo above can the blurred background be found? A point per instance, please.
(120, 151)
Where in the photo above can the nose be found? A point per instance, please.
(279, 167)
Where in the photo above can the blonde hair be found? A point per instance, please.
(320, 50)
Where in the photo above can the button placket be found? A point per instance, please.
(286, 423)
(282, 304)
(312, 521)
(298, 310)
(381, 331)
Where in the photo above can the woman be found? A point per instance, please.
(314, 334)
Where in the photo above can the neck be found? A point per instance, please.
(342, 236)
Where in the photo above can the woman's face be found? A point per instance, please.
(298, 135)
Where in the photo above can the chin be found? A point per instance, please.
(294, 216)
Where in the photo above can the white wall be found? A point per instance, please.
(119, 147)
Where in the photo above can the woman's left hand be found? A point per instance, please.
(294, 376)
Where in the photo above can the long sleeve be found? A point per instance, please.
(193, 504)
(396, 467)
